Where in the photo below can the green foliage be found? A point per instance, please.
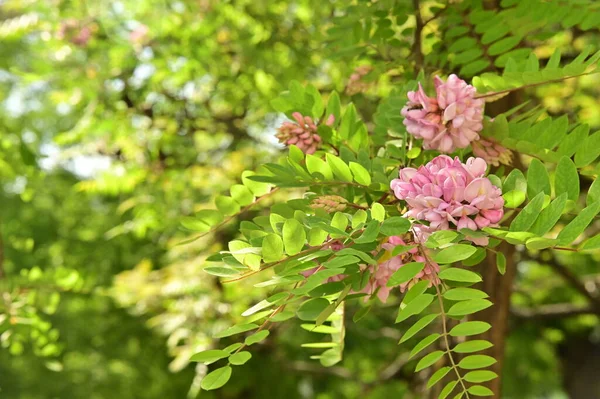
(130, 129)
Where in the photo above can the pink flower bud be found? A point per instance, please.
(302, 133)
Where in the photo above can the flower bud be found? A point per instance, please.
(329, 203)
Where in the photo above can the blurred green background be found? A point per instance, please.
(118, 119)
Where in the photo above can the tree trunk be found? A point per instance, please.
(497, 286)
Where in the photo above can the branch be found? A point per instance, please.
(574, 281)
(229, 218)
(417, 51)
(552, 311)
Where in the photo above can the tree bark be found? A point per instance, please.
(497, 286)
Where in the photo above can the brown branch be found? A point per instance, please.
(417, 50)
(574, 281)
(552, 311)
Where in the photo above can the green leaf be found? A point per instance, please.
(414, 307)
(265, 303)
(463, 293)
(333, 106)
(359, 218)
(216, 378)
(377, 212)
(515, 181)
(537, 243)
(503, 45)
(469, 307)
(424, 343)
(395, 226)
(362, 312)
(361, 175)
(401, 249)
(221, 271)
(236, 330)
(441, 238)
(513, 198)
(318, 168)
(590, 244)
(258, 189)
(415, 291)
(272, 248)
(479, 390)
(209, 356)
(455, 274)
(549, 216)
(476, 362)
(566, 179)
(589, 150)
(241, 194)
(240, 358)
(538, 180)
(256, 337)
(340, 222)
(470, 328)
(593, 194)
(418, 326)
(454, 253)
(340, 261)
(339, 168)
(233, 347)
(447, 389)
(193, 224)
(428, 360)
(311, 309)
(370, 233)
(472, 346)
(578, 225)
(405, 273)
(437, 376)
(316, 236)
(480, 376)
(528, 215)
(226, 205)
(294, 236)
(501, 262)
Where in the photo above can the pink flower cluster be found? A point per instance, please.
(302, 133)
(450, 194)
(451, 120)
(382, 272)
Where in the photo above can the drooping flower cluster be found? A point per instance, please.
(329, 203)
(450, 194)
(492, 152)
(302, 133)
(383, 271)
(450, 120)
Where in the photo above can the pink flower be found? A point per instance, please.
(451, 120)
(492, 152)
(302, 133)
(450, 194)
(381, 273)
